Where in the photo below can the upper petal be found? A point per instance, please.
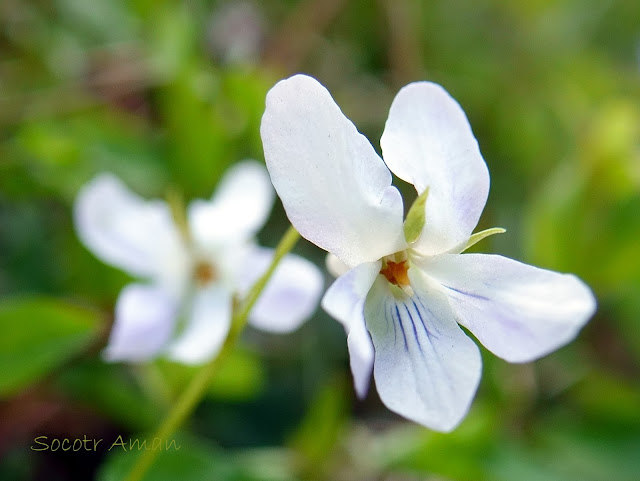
(425, 368)
(237, 210)
(144, 320)
(344, 301)
(428, 142)
(128, 232)
(290, 297)
(519, 312)
(336, 190)
(206, 328)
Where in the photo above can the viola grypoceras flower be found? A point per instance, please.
(405, 286)
(182, 309)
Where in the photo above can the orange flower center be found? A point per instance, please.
(396, 273)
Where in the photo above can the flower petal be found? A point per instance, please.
(206, 329)
(144, 320)
(428, 142)
(426, 368)
(336, 190)
(291, 296)
(128, 232)
(335, 266)
(238, 209)
(519, 312)
(344, 301)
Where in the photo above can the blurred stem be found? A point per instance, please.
(178, 212)
(196, 389)
(405, 48)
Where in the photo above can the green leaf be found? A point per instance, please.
(38, 336)
(240, 377)
(418, 450)
(478, 236)
(322, 427)
(194, 461)
(415, 218)
(63, 156)
(110, 390)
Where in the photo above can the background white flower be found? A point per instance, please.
(401, 302)
(183, 308)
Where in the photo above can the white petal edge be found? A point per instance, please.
(238, 209)
(206, 328)
(344, 301)
(426, 368)
(291, 295)
(128, 232)
(334, 187)
(144, 320)
(428, 142)
(517, 311)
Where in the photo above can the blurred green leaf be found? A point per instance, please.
(241, 376)
(565, 451)
(171, 41)
(38, 336)
(458, 455)
(193, 461)
(108, 389)
(321, 429)
(618, 408)
(516, 462)
(591, 452)
(196, 137)
(62, 156)
(266, 464)
(100, 20)
(245, 93)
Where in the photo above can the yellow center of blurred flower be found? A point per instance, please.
(203, 273)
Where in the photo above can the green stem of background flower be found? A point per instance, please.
(196, 389)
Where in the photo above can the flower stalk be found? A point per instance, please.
(196, 389)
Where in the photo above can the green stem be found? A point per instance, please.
(196, 389)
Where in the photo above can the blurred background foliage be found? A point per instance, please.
(167, 94)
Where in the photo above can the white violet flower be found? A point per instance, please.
(404, 288)
(182, 310)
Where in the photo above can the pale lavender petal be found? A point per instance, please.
(291, 295)
(426, 369)
(428, 142)
(519, 312)
(334, 187)
(128, 232)
(144, 320)
(344, 301)
(238, 209)
(206, 328)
